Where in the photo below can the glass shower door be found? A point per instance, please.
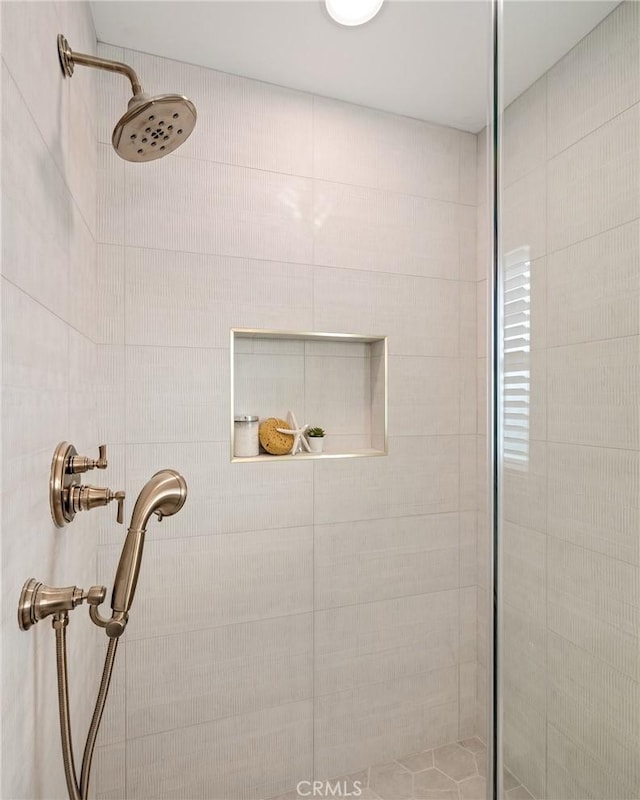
(568, 444)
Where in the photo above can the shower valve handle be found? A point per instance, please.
(84, 498)
(78, 464)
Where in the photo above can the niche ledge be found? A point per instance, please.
(337, 381)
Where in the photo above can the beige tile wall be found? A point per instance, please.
(49, 312)
(570, 530)
(288, 211)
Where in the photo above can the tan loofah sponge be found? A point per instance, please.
(274, 442)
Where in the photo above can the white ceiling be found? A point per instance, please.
(427, 59)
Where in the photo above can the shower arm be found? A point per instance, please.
(69, 58)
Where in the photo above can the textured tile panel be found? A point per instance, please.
(594, 288)
(379, 641)
(194, 677)
(593, 393)
(419, 315)
(249, 756)
(525, 490)
(192, 300)
(36, 208)
(360, 228)
(365, 147)
(524, 213)
(597, 80)
(594, 499)
(36, 70)
(426, 477)
(203, 207)
(525, 133)
(576, 775)
(594, 603)
(593, 186)
(372, 723)
(597, 707)
(357, 562)
(176, 394)
(427, 399)
(209, 581)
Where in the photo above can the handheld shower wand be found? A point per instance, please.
(164, 494)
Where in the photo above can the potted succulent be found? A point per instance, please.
(315, 437)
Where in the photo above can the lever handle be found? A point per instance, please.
(102, 463)
(84, 498)
(120, 497)
(78, 464)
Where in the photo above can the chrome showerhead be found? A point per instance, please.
(153, 127)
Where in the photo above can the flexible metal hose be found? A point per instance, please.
(80, 793)
(97, 717)
(60, 626)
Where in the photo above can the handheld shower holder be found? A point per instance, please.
(38, 601)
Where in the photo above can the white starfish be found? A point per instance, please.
(299, 440)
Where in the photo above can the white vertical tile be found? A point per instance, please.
(109, 775)
(110, 288)
(593, 288)
(468, 185)
(425, 480)
(176, 394)
(259, 754)
(525, 133)
(36, 70)
(192, 300)
(425, 396)
(222, 580)
(35, 349)
(593, 393)
(373, 723)
(83, 290)
(597, 707)
(594, 499)
(111, 200)
(525, 214)
(468, 681)
(597, 79)
(36, 208)
(359, 562)
(363, 147)
(361, 228)
(593, 185)
(594, 603)
(376, 642)
(419, 315)
(193, 677)
(468, 548)
(110, 388)
(204, 207)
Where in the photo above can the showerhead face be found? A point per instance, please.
(153, 127)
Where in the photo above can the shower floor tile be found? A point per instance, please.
(455, 771)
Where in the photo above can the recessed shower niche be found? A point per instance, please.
(334, 381)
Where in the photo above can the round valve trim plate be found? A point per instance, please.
(60, 482)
